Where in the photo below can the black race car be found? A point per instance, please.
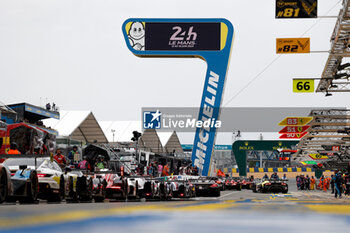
(206, 186)
(270, 186)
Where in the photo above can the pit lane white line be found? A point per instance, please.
(225, 195)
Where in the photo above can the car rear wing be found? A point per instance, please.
(6, 156)
(20, 156)
(87, 172)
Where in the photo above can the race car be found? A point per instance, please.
(166, 188)
(54, 184)
(99, 188)
(135, 186)
(221, 181)
(20, 185)
(151, 189)
(246, 183)
(270, 185)
(233, 183)
(206, 186)
(186, 189)
(116, 186)
(84, 186)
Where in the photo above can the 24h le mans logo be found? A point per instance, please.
(152, 119)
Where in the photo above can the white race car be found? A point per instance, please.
(135, 186)
(54, 184)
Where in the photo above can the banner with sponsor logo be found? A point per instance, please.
(209, 39)
(291, 9)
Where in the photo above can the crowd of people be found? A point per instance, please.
(74, 160)
(339, 183)
(52, 107)
(156, 169)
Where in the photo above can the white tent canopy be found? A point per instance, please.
(78, 125)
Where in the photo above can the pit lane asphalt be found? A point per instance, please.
(243, 211)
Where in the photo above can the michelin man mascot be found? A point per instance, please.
(136, 36)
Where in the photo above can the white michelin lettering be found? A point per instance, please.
(207, 122)
(203, 139)
(211, 90)
(208, 111)
(213, 79)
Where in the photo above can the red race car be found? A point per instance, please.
(246, 183)
(233, 183)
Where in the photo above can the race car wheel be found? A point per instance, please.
(254, 189)
(285, 191)
(137, 196)
(90, 187)
(87, 190)
(223, 187)
(72, 193)
(62, 191)
(3, 185)
(261, 190)
(125, 187)
(216, 193)
(33, 188)
(103, 189)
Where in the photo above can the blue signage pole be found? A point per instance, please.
(209, 39)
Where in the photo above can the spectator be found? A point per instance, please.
(160, 169)
(347, 183)
(302, 182)
(53, 106)
(298, 182)
(166, 170)
(154, 166)
(220, 173)
(60, 158)
(189, 170)
(13, 149)
(265, 176)
(307, 182)
(195, 171)
(332, 183)
(84, 164)
(72, 155)
(48, 106)
(337, 184)
(150, 170)
(326, 184)
(101, 163)
(312, 182)
(320, 184)
(274, 176)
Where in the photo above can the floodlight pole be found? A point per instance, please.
(113, 131)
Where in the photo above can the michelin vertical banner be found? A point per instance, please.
(209, 39)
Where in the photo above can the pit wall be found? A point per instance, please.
(290, 172)
(289, 175)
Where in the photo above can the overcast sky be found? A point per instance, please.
(73, 53)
